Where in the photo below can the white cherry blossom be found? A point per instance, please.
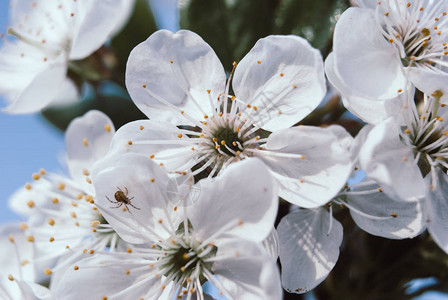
(215, 239)
(382, 46)
(51, 34)
(177, 77)
(18, 275)
(61, 216)
(411, 161)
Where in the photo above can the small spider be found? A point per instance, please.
(122, 199)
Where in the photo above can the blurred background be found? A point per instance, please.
(369, 267)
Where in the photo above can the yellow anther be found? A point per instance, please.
(205, 117)
(141, 127)
(28, 186)
(79, 196)
(152, 180)
(394, 215)
(85, 172)
(171, 61)
(10, 277)
(107, 127)
(386, 14)
(220, 114)
(55, 200)
(36, 176)
(91, 251)
(160, 221)
(129, 250)
(215, 140)
(209, 91)
(42, 172)
(391, 40)
(30, 238)
(85, 142)
(11, 238)
(380, 190)
(144, 86)
(179, 135)
(234, 64)
(73, 214)
(129, 143)
(88, 198)
(128, 272)
(23, 226)
(51, 239)
(95, 223)
(30, 204)
(302, 157)
(76, 268)
(61, 186)
(89, 181)
(223, 142)
(400, 90)
(281, 74)
(259, 62)
(407, 130)
(254, 108)
(51, 222)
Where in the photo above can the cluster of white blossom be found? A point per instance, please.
(162, 206)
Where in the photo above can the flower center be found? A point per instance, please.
(428, 136)
(416, 31)
(186, 259)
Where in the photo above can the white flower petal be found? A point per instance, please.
(318, 166)
(155, 140)
(171, 72)
(106, 276)
(364, 59)
(370, 110)
(242, 199)
(437, 211)
(392, 219)
(95, 22)
(430, 81)
(388, 161)
(87, 140)
(144, 185)
(247, 272)
(283, 74)
(309, 248)
(41, 90)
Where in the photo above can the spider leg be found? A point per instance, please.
(119, 205)
(133, 205)
(111, 200)
(126, 192)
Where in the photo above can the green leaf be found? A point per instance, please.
(313, 20)
(140, 26)
(209, 19)
(250, 20)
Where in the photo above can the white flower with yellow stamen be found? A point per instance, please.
(215, 239)
(51, 34)
(411, 161)
(177, 79)
(19, 278)
(60, 210)
(381, 46)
